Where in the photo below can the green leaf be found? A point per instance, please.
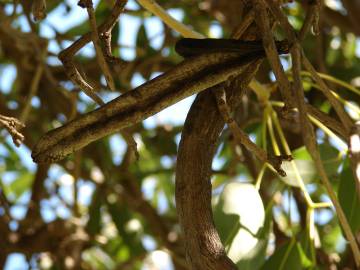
(285, 257)
(330, 157)
(142, 41)
(93, 226)
(305, 261)
(301, 153)
(21, 184)
(144, 51)
(121, 216)
(306, 166)
(331, 238)
(168, 187)
(80, 29)
(348, 197)
(218, 180)
(255, 258)
(306, 169)
(12, 159)
(239, 217)
(307, 249)
(161, 143)
(51, 5)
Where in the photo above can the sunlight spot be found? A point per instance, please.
(158, 259)
(335, 43)
(355, 143)
(133, 225)
(66, 180)
(45, 261)
(97, 175)
(69, 262)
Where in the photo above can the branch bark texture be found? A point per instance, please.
(189, 77)
(198, 144)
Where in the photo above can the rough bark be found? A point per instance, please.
(193, 187)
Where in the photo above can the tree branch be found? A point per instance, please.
(193, 187)
(189, 77)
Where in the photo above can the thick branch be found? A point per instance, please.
(193, 187)
(189, 77)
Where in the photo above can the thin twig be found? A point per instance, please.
(33, 87)
(38, 9)
(243, 138)
(106, 38)
(245, 23)
(130, 141)
(308, 132)
(263, 23)
(309, 19)
(15, 5)
(328, 121)
(77, 175)
(74, 75)
(12, 125)
(325, 89)
(66, 56)
(224, 109)
(311, 146)
(273, 123)
(344, 118)
(281, 17)
(327, 92)
(96, 41)
(111, 20)
(156, 9)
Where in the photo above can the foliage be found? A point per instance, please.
(108, 206)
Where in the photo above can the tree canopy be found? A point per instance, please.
(125, 146)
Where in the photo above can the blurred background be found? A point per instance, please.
(101, 209)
